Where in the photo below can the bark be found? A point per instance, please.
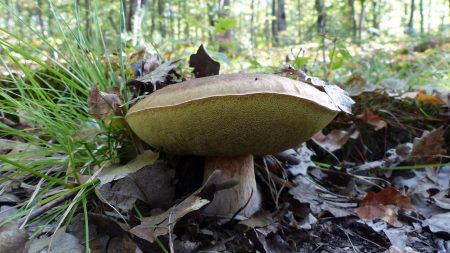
(429, 15)
(299, 28)
(375, 14)
(140, 7)
(87, 14)
(252, 23)
(421, 17)
(411, 17)
(351, 3)
(321, 16)
(226, 38)
(274, 22)
(162, 26)
(8, 15)
(361, 20)
(279, 21)
(281, 16)
(321, 26)
(39, 12)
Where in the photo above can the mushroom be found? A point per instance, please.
(229, 118)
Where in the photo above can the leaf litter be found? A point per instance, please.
(337, 193)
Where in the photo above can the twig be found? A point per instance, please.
(41, 210)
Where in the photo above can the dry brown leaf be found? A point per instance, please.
(203, 64)
(430, 99)
(102, 105)
(12, 238)
(161, 224)
(383, 205)
(429, 148)
(372, 119)
(332, 141)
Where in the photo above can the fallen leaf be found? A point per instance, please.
(299, 160)
(157, 225)
(154, 185)
(439, 223)
(102, 105)
(372, 119)
(383, 205)
(339, 97)
(430, 99)
(429, 148)
(319, 200)
(105, 234)
(59, 242)
(12, 238)
(332, 141)
(158, 75)
(110, 174)
(257, 220)
(203, 64)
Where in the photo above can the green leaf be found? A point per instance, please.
(300, 61)
(224, 24)
(342, 49)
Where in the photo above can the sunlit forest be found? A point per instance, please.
(225, 126)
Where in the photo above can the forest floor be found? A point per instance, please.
(376, 180)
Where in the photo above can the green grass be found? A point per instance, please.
(58, 140)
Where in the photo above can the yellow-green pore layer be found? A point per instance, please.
(233, 114)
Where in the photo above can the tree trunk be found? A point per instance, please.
(361, 21)
(252, 23)
(321, 26)
(411, 18)
(162, 27)
(375, 14)
(274, 22)
(87, 14)
(279, 21)
(224, 12)
(281, 16)
(321, 16)
(300, 18)
(139, 13)
(353, 17)
(421, 17)
(429, 16)
(8, 15)
(39, 12)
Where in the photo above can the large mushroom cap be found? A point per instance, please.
(231, 114)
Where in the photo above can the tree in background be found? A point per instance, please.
(279, 22)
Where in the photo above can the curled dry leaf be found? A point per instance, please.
(429, 148)
(203, 64)
(157, 225)
(12, 238)
(383, 205)
(158, 75)
(332, 141)
(102, 105)
(338, 96)
(372, 119)
(422, 96)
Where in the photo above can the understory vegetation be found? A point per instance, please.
(74, 176)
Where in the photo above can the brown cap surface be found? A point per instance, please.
(231, 114)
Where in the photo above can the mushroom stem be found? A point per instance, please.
(229, 201)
